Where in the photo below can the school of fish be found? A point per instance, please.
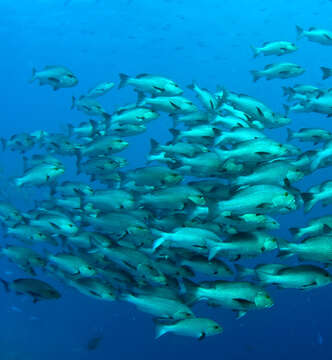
(173, 233)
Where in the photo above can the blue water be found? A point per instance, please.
(183, 40)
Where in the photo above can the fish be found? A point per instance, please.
(278, 71)
(94, 342)
(198, 328)
(56, 76)
(316, 226)
(314, 135)
(100, 89)
(90, 106)
(153, 84)
(40, 174)
(208, 99)
(71, 264)
(316, 248)
(159, 307)
(274, 48)
(321, 192)
(314, 34)
(303, 277)
(37, 289)
(240, 296)
(258, 198)
(169, 104)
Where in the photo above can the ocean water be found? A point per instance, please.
(208, 42)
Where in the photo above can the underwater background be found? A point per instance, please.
(208, 42)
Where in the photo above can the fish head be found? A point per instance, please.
(270, 243)
(263, 300)
(173, 178)
(87, 270)
(197, 199)
(52, 294)
(214, 329)
(69, 80)
(295, 174)
(173, 89)
(179, 315)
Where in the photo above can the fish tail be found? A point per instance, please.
(33, 77)
(287, 91)
(255, 51)
(222, 154)
(191, 86)
(107, 118)
(309, 201)
(284, 249)
(4, 144)
(18, 182)
(123, 80)
(175, 134)
(154, 146)
(286, 108)
(255, 75)
(299, 32)
(140, 98)
(94, 126)
(160, 330)
(5, 284)
(73, 102)
(289, 134)
(78, 161)
(70, 130)
(294, 231)
(243, 272)
(327, 72)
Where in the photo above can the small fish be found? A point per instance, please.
(274, 48)
(278, 71)
(55, 76)
(37, 289)
(100, 89)
(153, 84)
(198, 328)
(314, 34)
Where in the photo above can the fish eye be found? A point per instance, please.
(90, 268)
(216, 327)
(286, 193)
(70, 225)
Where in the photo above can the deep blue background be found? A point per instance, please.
(185, 40)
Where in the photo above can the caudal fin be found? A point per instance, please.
(123, 80)
(243, 272)
(294, 231)
(73, 102)
(255, 75)
(154, 146)
(255, 51)
(33, 77)
(289, 134)
(160, 330)
(5, 284)
(327, 72)
(309, 201)
(299, 32)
